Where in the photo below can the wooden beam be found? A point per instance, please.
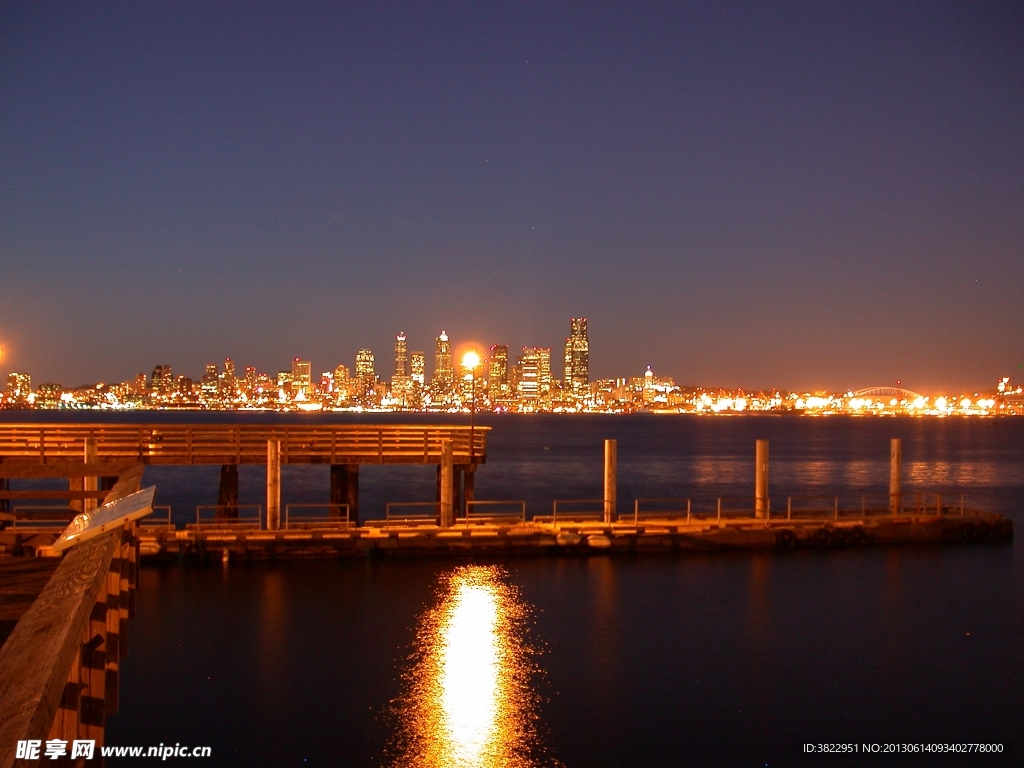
(14, 469)
(53, 494)
(39, 656)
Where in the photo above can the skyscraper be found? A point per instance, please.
(442, 386)
(577, 357)
(365, 376)
(401, 355)
(162, 381)
(443, 368)
(418, 366)
(301, 378)
(19, 387)
(497, 367)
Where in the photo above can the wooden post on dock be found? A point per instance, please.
(273, 485)
(447, 485)
(352, 492)
(457, 508)
(91, 456)
(610, 478)
(227, 496)
(895, 486)
(761, 479)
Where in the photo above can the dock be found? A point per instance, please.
(454, 522)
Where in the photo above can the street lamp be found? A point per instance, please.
(470, 361)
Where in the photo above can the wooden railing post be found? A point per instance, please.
(273, 485)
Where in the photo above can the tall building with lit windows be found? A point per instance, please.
(19, 387)
(401, 356)
(442, 385)
(301, 379)
(365, 376)
(497, 368)
(418, 367)
(577, 357)
(162, 380)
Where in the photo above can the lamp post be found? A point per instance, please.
(471, 360)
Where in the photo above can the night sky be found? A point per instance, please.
(799, 195)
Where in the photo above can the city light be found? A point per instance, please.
(494, 378)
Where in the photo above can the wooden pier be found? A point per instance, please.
(66, 628)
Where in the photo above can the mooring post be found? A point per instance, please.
(447, 484)
(273, 485)
(338, 490)
(90, 483)
(610, 478)
(227, 494)
(352, 492)
(895, 490)
(761, 478)
(457, 508)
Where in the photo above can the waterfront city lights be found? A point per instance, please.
(470, 360)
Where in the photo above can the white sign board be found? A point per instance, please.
(88, 525)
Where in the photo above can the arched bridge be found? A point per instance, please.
(898, 392)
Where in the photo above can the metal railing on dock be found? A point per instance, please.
(406, 513)
(568, 511)
(297, 517)
(234, 517)
(159, 520)
(494, 512)
(655, 509)
(27, 517)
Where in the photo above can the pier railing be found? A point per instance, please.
(242, 443)
(59, 668)
(217, 516)
(315, 516)
(573, 511)
(404, 513)
(496, 512)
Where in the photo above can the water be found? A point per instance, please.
(717, 660)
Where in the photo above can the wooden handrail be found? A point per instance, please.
(38, 657)
(238, 444)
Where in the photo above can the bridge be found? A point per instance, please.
(890, 392)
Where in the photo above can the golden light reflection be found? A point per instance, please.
(468, 700)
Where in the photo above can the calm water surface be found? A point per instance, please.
(715, 660)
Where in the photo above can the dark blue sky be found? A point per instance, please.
(794, 194)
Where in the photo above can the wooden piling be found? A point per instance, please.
(273, 485)
(352, 492)
(91, 456)
(895, 468)
(610, 478)
(227, 496)
(447, 485)
(761, 479)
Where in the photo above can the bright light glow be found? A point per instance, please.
(469, 703)
(470, 360)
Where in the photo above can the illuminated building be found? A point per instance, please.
(577, 357)
(284, 385)
(401, 355)
(442, 385)
(301, 379)
(341, 384)
(162, 381)
(529, 377)
(19, 388)
(230, 381)
(497, 367)
(210, 383)
(48, 395)
(417, 366)
(365, 377)
(250, 386)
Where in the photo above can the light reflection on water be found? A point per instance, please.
(468, 700)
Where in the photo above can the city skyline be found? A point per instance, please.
(799, 195)
(472, 376)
